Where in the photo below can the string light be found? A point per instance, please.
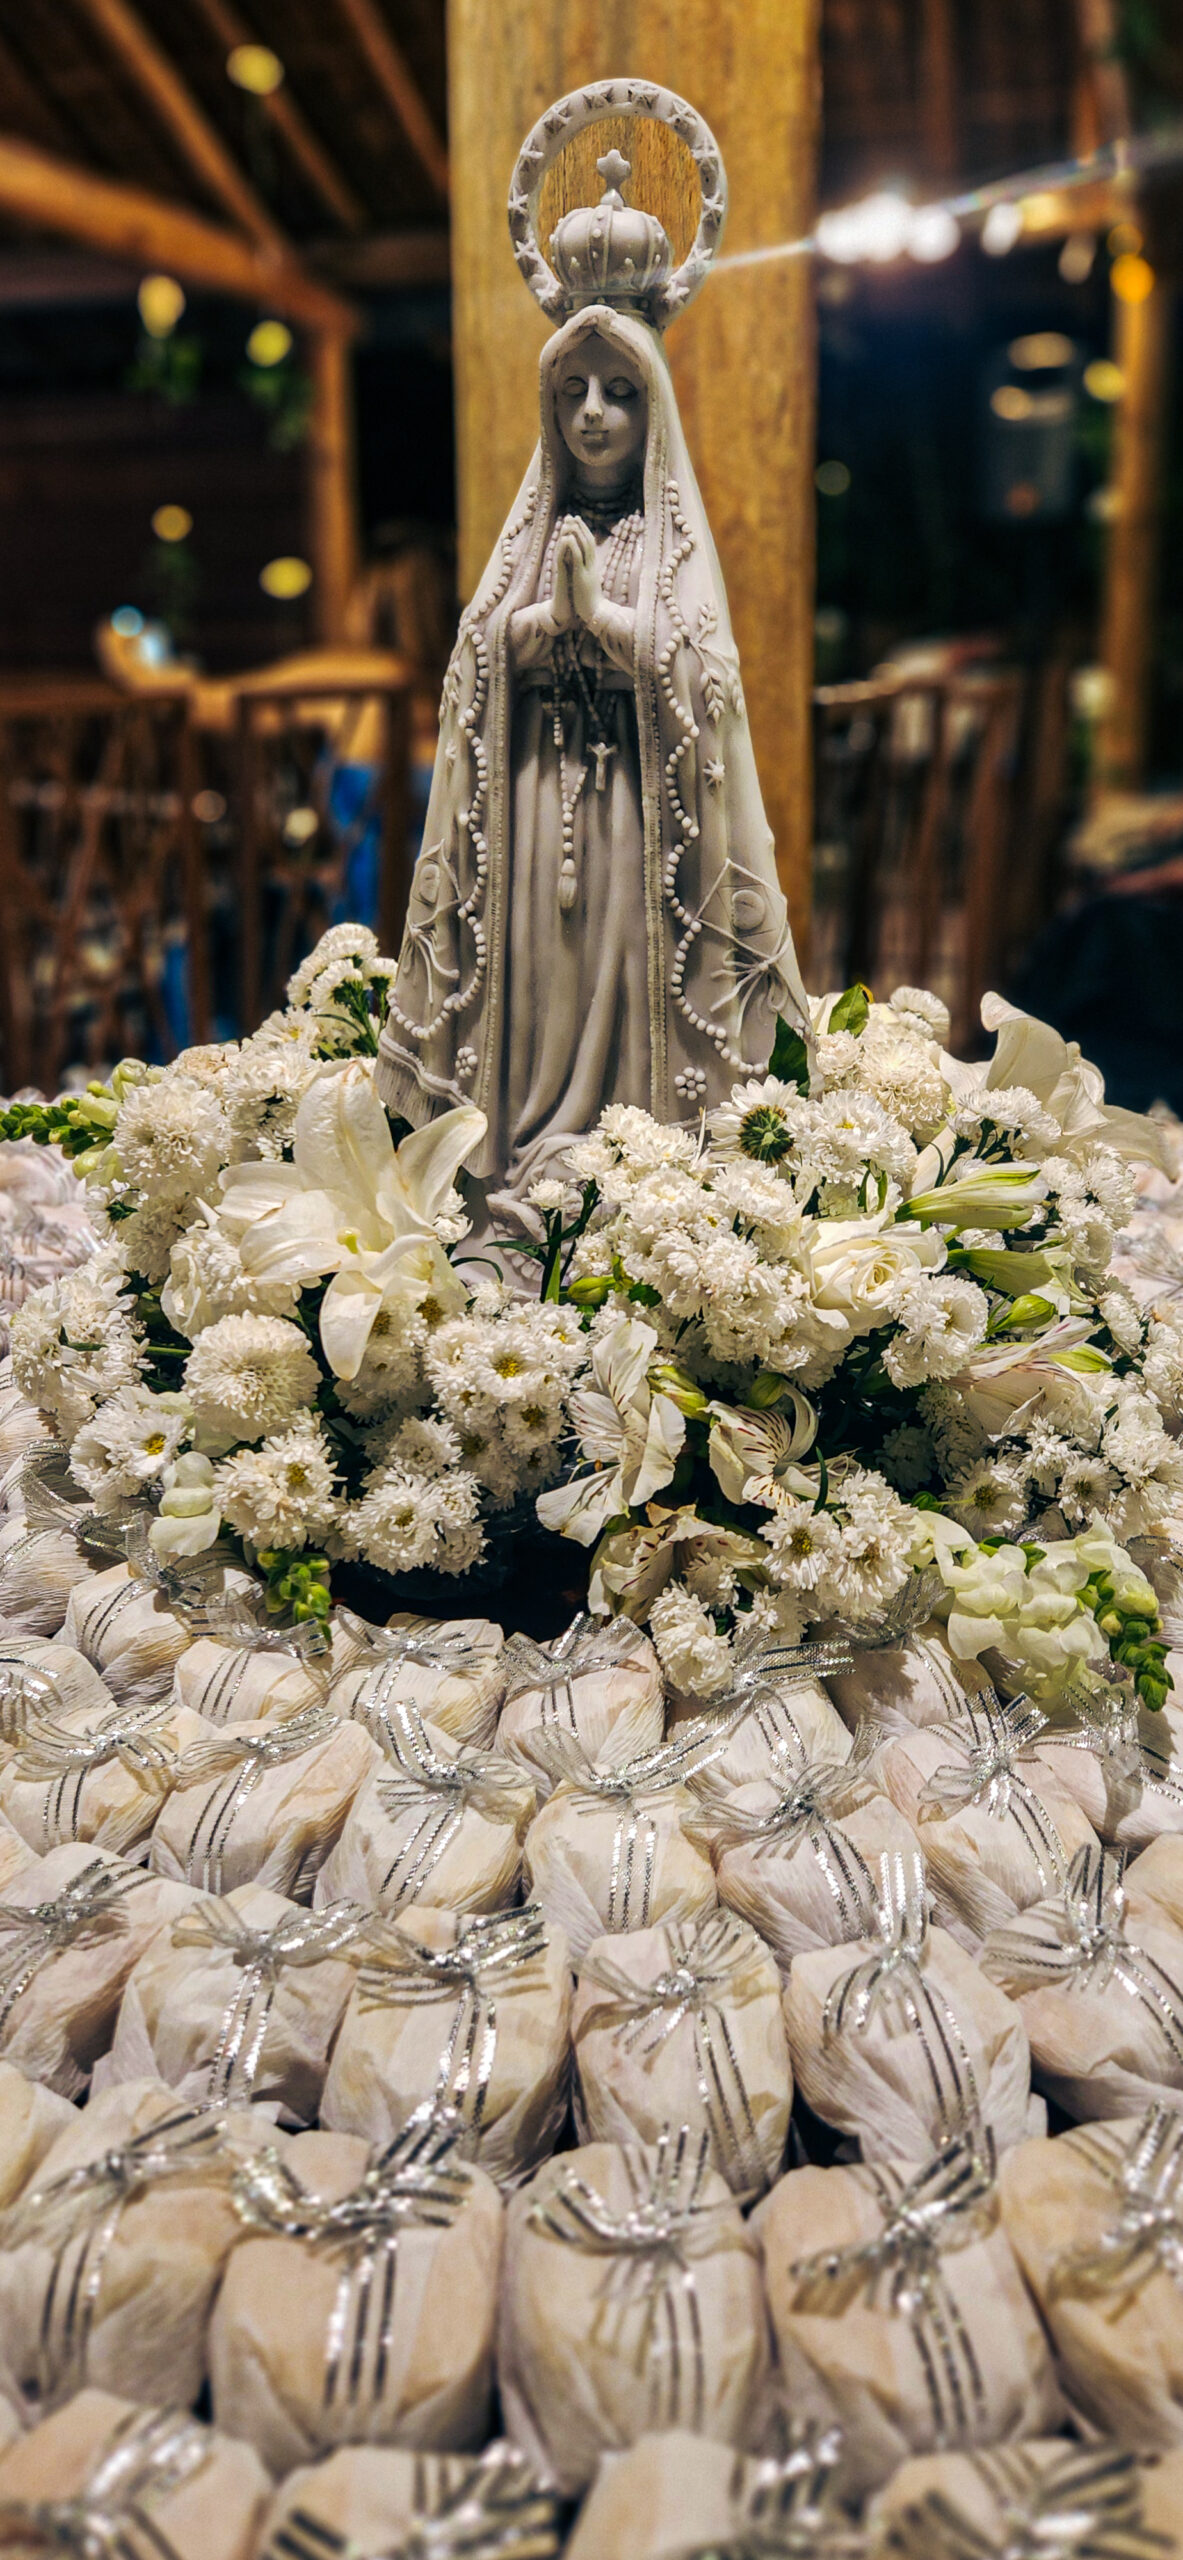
(300, 826)
(269, 342)
(1104, 380)
(286, 577)
(171, 524)
(128, 621)
(160, 301)
(1041, 352)
(256, 68)
(1078, 257)
(885, 226)
(832, 479)
(1131, 278)
(1011, 403)
(1002, 227)
(1125, 240)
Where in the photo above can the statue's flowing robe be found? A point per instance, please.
(710, 917)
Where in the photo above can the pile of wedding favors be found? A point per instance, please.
(457, 2099)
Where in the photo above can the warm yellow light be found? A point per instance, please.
(255, 67)
(1010, 402)
(269, 342)
(1124, 241)
(832, 478)
(1039, 353)
(1132, 278)
(1077, 257)
(300, 826)
(171, 524)
(1041, 212)
(285, 577)
(1104, 380)
(161, 301)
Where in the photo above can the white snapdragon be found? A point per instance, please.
(249, 1376)
(189, 1520)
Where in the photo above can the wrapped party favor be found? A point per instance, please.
(1063, 2501)
(127, 1629)
(773, 1719)
(682, 2024)
(41, 1677)
(104, 2480)
(1100, 1988)
(899, 2311)
(453, 1671)
(631, 2300)
(468, 2014)
(110, 2259)
(239, 2001)
(41, 1567)
(359, 2306)
(600, 1681)
(911, 1680)
(434, 1821)
(266, 1674)
(679, 2496)
(101, 1777)
(72, 1926)
(260, 1803)
(1122, 1761)
(900, 2041)
(31, 2118)
(20, 1423)
(15, 1855)
(801, 1860)
(615, 1848)
(998, 1827)
(1096, 2222)
(377, 2503)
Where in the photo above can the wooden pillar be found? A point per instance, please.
(743, 357)
(332, 515)
(1142, 349)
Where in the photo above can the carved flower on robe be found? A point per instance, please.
(353, 1205)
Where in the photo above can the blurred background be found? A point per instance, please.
(268, 381)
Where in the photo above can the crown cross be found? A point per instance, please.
(614, 169)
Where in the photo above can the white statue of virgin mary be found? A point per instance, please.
(595, 916)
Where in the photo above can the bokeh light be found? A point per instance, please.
(128, 621)
(1078, 257)
(1002, 227)
(1041, 352)
(832, 478)
(160, 301)
(256, 68)
(1104, 380)
(171, 523)
(300, 826)
(1131, 277)
(1011, 402)
(269, 342)
(286, 577)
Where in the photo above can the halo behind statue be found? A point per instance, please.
(613, 252)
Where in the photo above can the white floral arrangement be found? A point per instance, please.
(857, 1327)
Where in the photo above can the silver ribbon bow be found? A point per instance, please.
(28, 1692)
(1085, 2504)
(893, 1980)
(635, 1788)
(77, 2217)
(244, 1759)
(1079, 1943)
(815, 1794)
(1148, 2231)
(424, 1641)
(786, 2511)
(46, 1753)
(945, 2206)
(1113, 1727)
(187, 1584)
(433, 1794)
(112, 2516)
(238, 1619)
(40, 1476)
(416, 2184)
(695, 1991)
(898, 1619)
(994, 1740)
(305, 1938)
(488, 2508)
(88, 1908)
(494, 1954)
(762, 1663)
(587, 1645)
(650, 2250)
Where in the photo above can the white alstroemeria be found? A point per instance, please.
(1044, 1273)
(353, 1204)
(753, 1455)
(632, 1565)
(1002, 1377)
(190, 1516)
(1030, 1053)
(631, 1435)
(981, 1194)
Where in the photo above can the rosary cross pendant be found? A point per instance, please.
(601, 751)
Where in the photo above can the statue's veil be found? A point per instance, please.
(721, 959)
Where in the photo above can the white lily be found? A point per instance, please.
(753, 1455)
(632, 1436)
(353, 1204)
(1030, 1053)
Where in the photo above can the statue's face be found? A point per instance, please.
(601, 408)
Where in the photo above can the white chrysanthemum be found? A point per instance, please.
(282, 1494)
(406, 1520)
(423, 1444)
(877, 1533)
(1118, 1308)
(692, 1653)
(958, 1437)
(928, 1013)
(172, 1135)
(146, 1239)
(644, 1142)
(907, 1457)
(1015, 1112)
(351, 942)
(127, 1444)
(844, 1134)
(1162, 1362)
(991, 1500)
(1086, 1487)
(247, 1376)
(74, 1343)
(206, 1280)
(943, 1318)
(264, 1087)
(805, 1550)
(1111, 1183)
(757, 1120)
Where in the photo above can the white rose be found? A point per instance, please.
(855, 1269)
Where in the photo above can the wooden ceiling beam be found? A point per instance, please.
(290, 121)
(198, 141)
(389, 261)
(51, 194)
(399, 87)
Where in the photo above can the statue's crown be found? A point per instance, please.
(610, 252)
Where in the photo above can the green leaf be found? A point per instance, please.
(790, 1057)
(851, 1011)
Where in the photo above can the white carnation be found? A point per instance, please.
(247, 1376)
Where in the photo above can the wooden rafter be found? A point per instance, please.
(387, 260)
(289, 120)
(399, 87)
(198, 141)
(25, 103)
(38, 188)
